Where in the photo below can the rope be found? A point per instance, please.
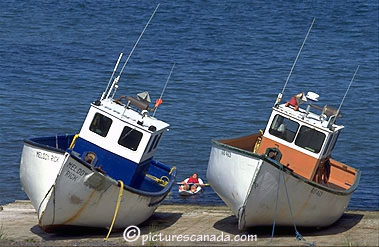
(298, 235)
(116, 209)
(160, 181)
(164, 179)
(172, 169)
(276, 204)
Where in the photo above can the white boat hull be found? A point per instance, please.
(248, 184)
(230, 176)
(80, 194)
(39, 168)
(67, 192)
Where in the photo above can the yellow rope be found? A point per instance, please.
(73, 141)
(172, 169)
(116, 209)
(160, 181)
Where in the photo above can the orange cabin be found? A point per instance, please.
(306, 141)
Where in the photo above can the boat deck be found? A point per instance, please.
(340, 172)
(19, 227)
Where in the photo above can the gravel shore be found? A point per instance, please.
(187, 225)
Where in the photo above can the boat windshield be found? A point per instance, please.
(310, 139)
(100, 124)
(307, 138)
(284, 128)
(332, 140)
(130, 138)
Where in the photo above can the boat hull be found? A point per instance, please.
(252, 187)
(230, 175)
(39, 167)
(71, 192)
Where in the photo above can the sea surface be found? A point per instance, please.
(232, 59)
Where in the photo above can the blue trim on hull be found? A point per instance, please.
(55, 143)
(139, 184)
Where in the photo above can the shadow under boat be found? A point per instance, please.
(345, 223)
(157, 222)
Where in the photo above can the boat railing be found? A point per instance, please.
(141, 104)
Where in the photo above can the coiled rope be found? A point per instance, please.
(164, 180)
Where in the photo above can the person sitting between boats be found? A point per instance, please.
(193, 180)
(296, 101)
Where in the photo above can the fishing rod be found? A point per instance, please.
(159, 101)
(130, 54)
(347, 90)
(294, 63)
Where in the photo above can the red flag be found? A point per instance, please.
(158, 102)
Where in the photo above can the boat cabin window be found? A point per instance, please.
(130, 138)
(331, 143)
(310, 139)
(149, 146)
(283, 128)
(100, 124)
(326, 149)
(156, 143)
(335, 138)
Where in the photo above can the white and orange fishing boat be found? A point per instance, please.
(285, 174)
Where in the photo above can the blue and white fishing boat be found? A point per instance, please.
(104, 176)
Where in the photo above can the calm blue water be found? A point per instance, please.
(232, 58)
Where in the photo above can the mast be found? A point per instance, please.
(107, 92)
(294, 63)
(343, 99)
(159, 101)
(110, 79)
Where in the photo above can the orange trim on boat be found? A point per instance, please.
(301, 163)
(341, 174)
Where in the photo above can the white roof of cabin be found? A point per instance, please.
(130, 116)
(311, 119)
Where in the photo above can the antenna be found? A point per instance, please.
(294, 63)
(110, 79)
(347, 90)
(131, 52)
(159, 101)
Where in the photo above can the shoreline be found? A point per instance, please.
(208, 205)
(19, 227)
(224, 205)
